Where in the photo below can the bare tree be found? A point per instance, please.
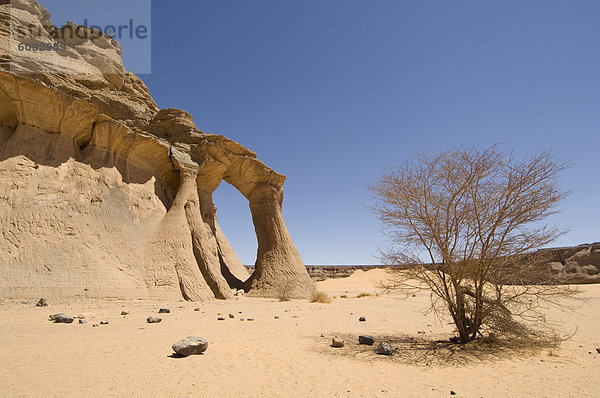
(464, 224)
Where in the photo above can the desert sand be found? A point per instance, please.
(286, 357)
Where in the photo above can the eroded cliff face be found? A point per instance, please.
(103, 195)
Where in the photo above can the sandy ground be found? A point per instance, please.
(285, 357)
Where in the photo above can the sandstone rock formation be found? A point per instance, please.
(577, 264)
(104, 195)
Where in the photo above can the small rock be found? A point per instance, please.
(62, 318)
(164, 311)
(250, 319)
(362, 319)
(105, 322)
(82, 321)
(322, 335)
(42, 303)
(196, 309)
(368, 340)
(221, 318)
(124, 312)
(231, 316)
(53, 317)
(452, 392)
(190, 346)
(276, 317)
(598, 350)
(414, 295)
(421, 332)
(95, 325)
(337, 343)
(242, 319)
(384, 349)
(153, 319)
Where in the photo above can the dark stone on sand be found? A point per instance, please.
(153, 319)
(384, 349)
(164, 311)
(368, 340)
(362, 319)
(42, 303)
(61, 318)
(337, 343)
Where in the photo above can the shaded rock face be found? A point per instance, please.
(578, 264)
(103, 195)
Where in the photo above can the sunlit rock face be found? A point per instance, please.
(103, 195)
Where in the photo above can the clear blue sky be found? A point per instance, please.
(333, 92)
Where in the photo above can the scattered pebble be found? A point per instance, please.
(421, 332)
(367, 340)
(295, 316)
(105, 322)
(61, 318)
(337, 343)
(242, 319)
(153, 319)
(196, 309)
(95, 325)
(231, 316)
(221, 318)
(82, 321)
(384, 349)
(164, 311)
(362, 319)
(124, 312)
(250, 319)
(190, 346)
(452, 392)
(42, 303)
(598, 350)
(276, 317)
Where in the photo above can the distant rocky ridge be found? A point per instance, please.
(103, 195)
(573, 264)
(576, 264)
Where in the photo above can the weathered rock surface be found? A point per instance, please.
(61, 318)
(337, 342)
(153, 319)
(367, 340)
(190, 346)
(104, 196)
(385, 349)
(578, 264)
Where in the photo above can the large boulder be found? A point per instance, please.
(190, 346)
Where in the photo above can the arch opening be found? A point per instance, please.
(236, 235)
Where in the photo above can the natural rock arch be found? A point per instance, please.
(103, 195)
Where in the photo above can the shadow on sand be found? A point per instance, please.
(410, 350)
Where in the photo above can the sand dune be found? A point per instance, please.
(285, 357)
